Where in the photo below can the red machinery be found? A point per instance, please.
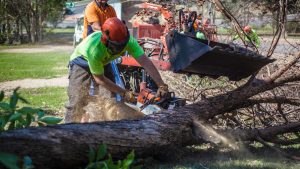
(151, 37)
(171, 45)
(170, 48)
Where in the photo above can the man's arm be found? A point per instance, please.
(146, 63)
(96, 26)
(108, 84)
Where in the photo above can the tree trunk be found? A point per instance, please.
(66, 146)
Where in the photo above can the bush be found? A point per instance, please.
(12, 117)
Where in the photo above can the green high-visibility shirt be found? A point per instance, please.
(97, 55)
(252, 35)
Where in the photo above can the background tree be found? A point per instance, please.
(31, 15)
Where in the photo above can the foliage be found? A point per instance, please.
(273, 5)
(264, 6)
(11, 161)
(12, 117)
(97, 161)
(32, 17)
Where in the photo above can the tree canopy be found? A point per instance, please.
(31, 17)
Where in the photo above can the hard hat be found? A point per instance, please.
(101, 3)
(247, 28)
(115, 35)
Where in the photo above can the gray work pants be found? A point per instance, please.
(78, 91)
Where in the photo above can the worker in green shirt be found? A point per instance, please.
(92, 54)
(252, 35)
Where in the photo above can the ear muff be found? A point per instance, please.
(115, 47)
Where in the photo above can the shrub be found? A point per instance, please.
(12, 117)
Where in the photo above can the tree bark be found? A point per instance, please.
(66, 146)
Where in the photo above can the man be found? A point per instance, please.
(92, 54)
(95, 15)
(251, 33)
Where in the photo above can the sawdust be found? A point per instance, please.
(105, 108)
(209, 134)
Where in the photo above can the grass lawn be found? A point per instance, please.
(15, 66)
(252, 158)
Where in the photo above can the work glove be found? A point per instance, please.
(129, 97)
(162, 91)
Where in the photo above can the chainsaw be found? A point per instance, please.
(149, 103)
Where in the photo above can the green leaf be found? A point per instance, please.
(97, 165)
(1, 96)
(102, 150)
(41, 114)
(29, 119)
(26, 110)
(50, 120)
(5, 106)
(14, 116)
(91, 155)
(3, 121)
(9, 160)
(110, 163)
(119, 164)
(128, 161)
(13, 100)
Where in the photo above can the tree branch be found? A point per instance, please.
(280, 27)
(277, 99)
(277, 74)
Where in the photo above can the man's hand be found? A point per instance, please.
(162, 90)
(129, 96)
(96, 26)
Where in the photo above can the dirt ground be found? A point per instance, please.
(40, 49)
(34, 83)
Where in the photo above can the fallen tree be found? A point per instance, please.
(67, 145)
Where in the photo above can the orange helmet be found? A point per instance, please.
(247, 29)
(115, 35)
